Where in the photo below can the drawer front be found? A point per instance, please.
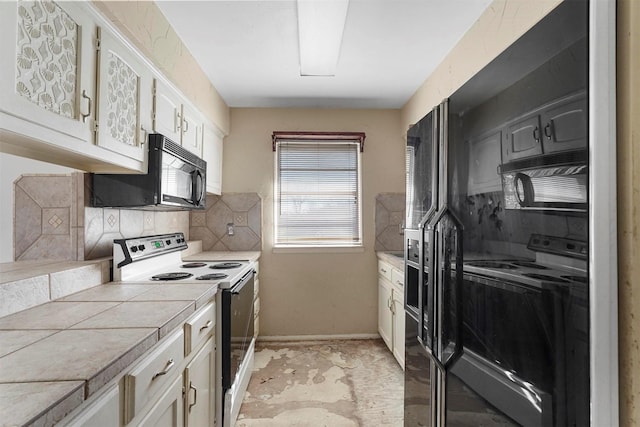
(199, 327)
(384, 270)
(151, 375)
(397, 277)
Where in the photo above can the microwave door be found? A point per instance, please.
(198, 192)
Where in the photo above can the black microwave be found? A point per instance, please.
(176, 180)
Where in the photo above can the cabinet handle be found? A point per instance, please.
(206, 326)
(536, 133)
(185, 127)
(195, 396)
(86, 116)
(399, 283)
(178, 119)
(383, 270)
(167, 368)
(547, 130)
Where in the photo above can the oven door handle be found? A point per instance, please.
(235, 290)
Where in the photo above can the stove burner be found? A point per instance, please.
(171, 276)
(492, 264)
(579, 279)
(212, 276)
(546, 278)
(194, 265)
(225, 265)
(530, 264)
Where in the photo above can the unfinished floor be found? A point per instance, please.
(324, 383)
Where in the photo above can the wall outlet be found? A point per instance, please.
(230, 229)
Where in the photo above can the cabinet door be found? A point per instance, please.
(167, 111)
(200, 388)
(103, 412)
(398, 326)
(212, 154)
(484, 159)
(48, 66)
(385, 328)
(169, 411)
(565, 124)
(522, 139)
(125, 87)
(191, 130)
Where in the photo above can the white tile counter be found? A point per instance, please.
(60, 353)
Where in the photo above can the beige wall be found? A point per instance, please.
(315, 293)
(628, 214)
(499, 26)
(146, 27)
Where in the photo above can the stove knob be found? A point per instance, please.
(141, 247)
(134, 249)
(168, 242)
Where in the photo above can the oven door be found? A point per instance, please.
(237, 327)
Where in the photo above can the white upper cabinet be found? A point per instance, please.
(175, 119)
(76, 93)
(212, 154)
(48, 66)
(167, 109)
(124, 98)
(192, 125)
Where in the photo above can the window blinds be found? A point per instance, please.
(318, 193)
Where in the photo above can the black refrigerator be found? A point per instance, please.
(496, 244)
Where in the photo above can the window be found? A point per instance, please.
(317, 189)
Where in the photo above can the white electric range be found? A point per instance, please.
(158, 259)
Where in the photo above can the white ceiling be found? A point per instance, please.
(249, 49)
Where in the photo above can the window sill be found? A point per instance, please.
(317, 249)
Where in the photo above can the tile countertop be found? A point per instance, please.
(396, 259)
(57, 350)
(56, 355)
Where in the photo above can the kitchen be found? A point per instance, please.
(381, 126)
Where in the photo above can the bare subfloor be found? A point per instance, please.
(324, 383)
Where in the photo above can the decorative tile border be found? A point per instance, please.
(51, 221)
(390, 214)
(243, 210)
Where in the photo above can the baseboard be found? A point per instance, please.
(318, 337)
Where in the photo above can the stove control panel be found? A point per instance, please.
(126, 251)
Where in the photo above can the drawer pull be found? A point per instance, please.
(167, 368)
(207, 326)
(383, 270)
(399, 282)
(195, 396)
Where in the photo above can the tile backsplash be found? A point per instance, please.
(242, 212)
(390, 213)
(52, 222)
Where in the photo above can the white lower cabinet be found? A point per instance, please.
(103, 412)
(199, 380)
(151, 375)
(171, 385)
(169, 410)
(398, 326)
(385, 316)
(391, 313)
